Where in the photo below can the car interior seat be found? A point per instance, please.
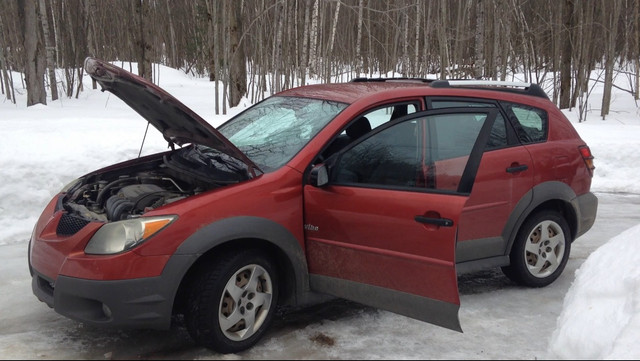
(354, 131)
(359, 128)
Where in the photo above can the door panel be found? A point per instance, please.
(495, 193)
(504, 177)
(389, 241)
(383, 245)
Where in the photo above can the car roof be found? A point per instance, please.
(363, 88)
(348, 92)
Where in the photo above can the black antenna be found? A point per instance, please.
(143, 138)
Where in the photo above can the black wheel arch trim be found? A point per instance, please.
(248, 227)
(539, 194)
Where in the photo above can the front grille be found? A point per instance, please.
(70, 224)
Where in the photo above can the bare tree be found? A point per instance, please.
(7, 84)
(143, 23)
(237, 58)
(443, 40)
(334, 39)
(478, 68)
(50, 50)
(636, 46)
(313, 38)
(35, 62)
(610, 23)
(567, 49)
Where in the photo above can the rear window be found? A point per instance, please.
(530, 122)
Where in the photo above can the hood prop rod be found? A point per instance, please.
(143, 138)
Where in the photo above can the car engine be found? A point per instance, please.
(136, 187)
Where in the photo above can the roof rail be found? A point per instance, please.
(508, 86)
(364, 80)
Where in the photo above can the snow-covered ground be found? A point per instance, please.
(44, 147)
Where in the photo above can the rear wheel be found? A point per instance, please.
(232, 303)
(540, 251)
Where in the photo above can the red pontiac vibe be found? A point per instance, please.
(380, 191)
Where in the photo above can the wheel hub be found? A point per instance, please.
(545, 249)
(245, 302)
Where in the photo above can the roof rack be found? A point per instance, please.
(508, 86)
(364, 80)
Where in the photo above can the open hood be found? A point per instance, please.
(177, 123)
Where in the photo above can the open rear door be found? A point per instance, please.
(382, 230)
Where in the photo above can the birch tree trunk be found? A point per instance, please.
(305, 41)
(334, 27)
(222, 17)
(478, 68)
(416, 55)
(313, 39)
(276, 55)
(216, 54)
(329, 54)
(358, 65)
(443, 40)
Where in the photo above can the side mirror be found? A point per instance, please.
(319, 175)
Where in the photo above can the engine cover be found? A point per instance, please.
(132, 199)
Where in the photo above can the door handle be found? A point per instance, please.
(517, 168)
(442, 222)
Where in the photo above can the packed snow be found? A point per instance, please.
(45, 147)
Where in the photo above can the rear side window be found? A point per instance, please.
(498, 137)
(531, 123)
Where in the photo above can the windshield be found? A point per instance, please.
(274, 130)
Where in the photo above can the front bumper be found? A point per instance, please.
(133, 303)
(121, 290)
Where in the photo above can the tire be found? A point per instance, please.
(540, 251)
(232, 301)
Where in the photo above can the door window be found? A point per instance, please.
(498, 137)
(420, 153)
(367, 121)
(392, 157)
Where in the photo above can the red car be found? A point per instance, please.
(379, 191)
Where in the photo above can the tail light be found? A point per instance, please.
(587, 157)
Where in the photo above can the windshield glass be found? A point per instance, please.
(273, 131)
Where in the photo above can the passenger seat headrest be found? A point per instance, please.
(359, 128)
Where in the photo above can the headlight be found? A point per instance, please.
(122, 236)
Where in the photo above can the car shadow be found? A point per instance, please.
(483, 281)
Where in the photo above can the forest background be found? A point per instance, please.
(254, 48)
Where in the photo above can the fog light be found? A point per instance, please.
(106, 310)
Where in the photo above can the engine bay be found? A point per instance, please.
(133, 188)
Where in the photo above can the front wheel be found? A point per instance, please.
(232, 302)
(540, 251)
